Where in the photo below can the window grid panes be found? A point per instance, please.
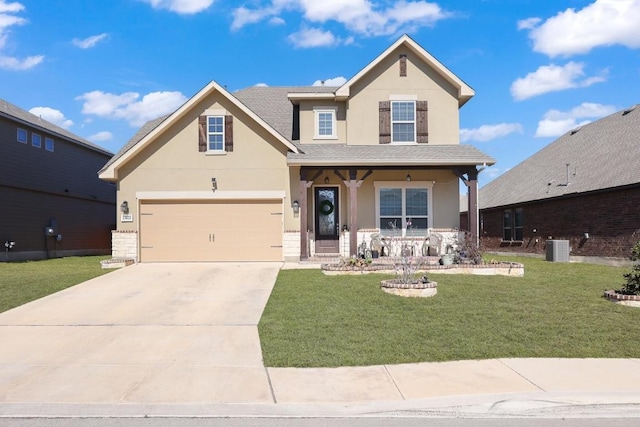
(36, 140)
(403, 211)
(518, 224)
(215, 133)
(513, 224)
(48, 144)
(22, 136)
(325, 124)
(403, 121)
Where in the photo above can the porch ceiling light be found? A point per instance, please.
(408, 178)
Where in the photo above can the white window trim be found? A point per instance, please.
(415, 125)
(209, 150)
(33, 144)
(47, 139)
(316, 122)
(404, 185)
(26, 136)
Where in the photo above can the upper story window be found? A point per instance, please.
(36, 140)
(22, 136)
(215, 133)
(325, 123)
(48, 144)
(403, 121)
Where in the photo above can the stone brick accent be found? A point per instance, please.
(291, 243)
(124, 244)
(611, 218)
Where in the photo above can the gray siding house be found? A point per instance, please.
(583, 187)
(53, 203)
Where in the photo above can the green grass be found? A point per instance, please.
(21, 282)
(556, 310)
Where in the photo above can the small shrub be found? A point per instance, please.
(632, 287)
(468, 251)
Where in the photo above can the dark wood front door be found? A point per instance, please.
(327, 220)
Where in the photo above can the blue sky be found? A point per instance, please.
(539, 68)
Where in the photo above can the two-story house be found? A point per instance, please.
(53, 203)
(274, 173)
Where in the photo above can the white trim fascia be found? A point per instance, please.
(465, 92)
(110, 172)
(347, 162)
(210, 195)
(300, 96)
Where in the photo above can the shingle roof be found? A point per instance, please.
(15, 112)
(603, 154)
(386, 154)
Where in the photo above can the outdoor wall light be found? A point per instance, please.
(296, 207)
(214, 184)
(124, 207)
(585, 235)
(326, 179)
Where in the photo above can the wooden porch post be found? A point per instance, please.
(304, 234)
(353, 212)
(473, 204)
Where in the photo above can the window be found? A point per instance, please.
(215, 133)
(22, 136)
(325, 123)
(48, 144)
(403, 121)
(512, 224)
(36, 140)
(403, 208)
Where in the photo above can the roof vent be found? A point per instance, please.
(628, 110)
(574, 131)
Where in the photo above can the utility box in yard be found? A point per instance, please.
(558, 250)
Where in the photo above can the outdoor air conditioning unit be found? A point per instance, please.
(558, 250)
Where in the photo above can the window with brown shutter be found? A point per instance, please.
(215, 133)
(422, 124)
(202, 134)
(385, 122)
(228, 133)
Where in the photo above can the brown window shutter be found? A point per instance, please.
(385, 122)
(202, 134)
(228, 133)
(403, 65)
(422, 123)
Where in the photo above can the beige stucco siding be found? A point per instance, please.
(384, 81)
(173, 163)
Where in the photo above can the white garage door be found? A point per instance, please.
(230, 230)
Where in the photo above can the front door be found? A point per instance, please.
(327, 220)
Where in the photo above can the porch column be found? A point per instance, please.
(472, 211)
(302, 200)
(353, 212)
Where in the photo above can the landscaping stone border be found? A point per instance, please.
(422, 290)
(622, 299)
(512, 269)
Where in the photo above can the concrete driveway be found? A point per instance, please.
(148, 333)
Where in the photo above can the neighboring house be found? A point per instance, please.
(53, 203)
(584, 187)
(274, 173)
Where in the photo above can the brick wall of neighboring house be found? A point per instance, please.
(611, 218)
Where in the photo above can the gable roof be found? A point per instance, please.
(14, 112)
(600, 155)
(153, 128)
(465, 92)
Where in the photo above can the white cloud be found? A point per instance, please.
(129, 106)
(601, 23)
(336, 81)
(185, 7)
(101, 136)
(52, 115)
(555, 122)
(11, 63)
(313, 37)
(89, 42)
(362, 17)
(552, 78)
(529, 23)
(488, 132)
(7, 20)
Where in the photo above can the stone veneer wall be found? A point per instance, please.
(124, 244)
(291, 243)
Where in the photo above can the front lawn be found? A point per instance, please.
(556, 310)
(21, 282)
